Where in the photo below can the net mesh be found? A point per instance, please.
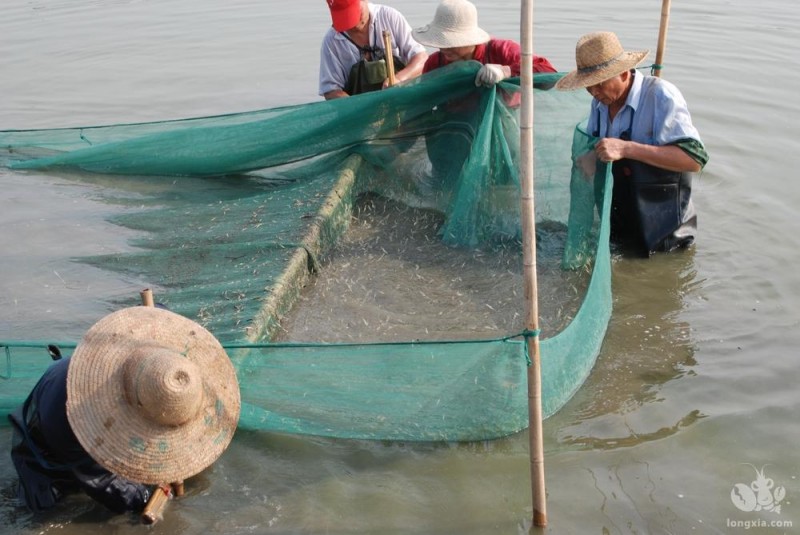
(236, 213)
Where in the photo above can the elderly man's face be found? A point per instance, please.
(611, 90)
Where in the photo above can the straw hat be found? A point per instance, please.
(599, 57)
(455, 24)
(151, 395)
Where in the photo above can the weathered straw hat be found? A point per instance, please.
(151, 395)
(455, 24)
(599, 57)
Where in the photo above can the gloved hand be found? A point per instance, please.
(491, 73)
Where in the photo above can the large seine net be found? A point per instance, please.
(407, 326)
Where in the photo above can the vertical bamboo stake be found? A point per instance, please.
(154, 509)
(389, 57)
(529, 267)
(147, 297)
(178, 489)
(662, 37)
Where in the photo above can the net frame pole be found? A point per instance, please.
(662, 37)
(538, 498)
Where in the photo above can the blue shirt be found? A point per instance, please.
(655, 112)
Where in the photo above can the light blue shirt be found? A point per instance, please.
(338, 55)
(655, 112)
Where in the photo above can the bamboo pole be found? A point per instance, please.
(389, 57)
(154, 509)
(538, 498)
(178, 489)
(662, 37)
(147, 297)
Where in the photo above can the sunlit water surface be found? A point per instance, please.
(696, 383)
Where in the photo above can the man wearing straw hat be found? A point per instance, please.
(352, 53)
(645, 129)
(148, 398)
(455, 32)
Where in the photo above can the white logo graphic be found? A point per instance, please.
(758, 495)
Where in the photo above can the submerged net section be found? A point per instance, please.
(234, 215)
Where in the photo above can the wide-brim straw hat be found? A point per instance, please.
(455, 24)
(152, 396)
(599, 56)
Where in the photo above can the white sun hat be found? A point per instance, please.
(455, 24)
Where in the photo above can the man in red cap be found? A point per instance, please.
(352, 53)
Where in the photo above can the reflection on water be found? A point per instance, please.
(647, 346)
(90, 62)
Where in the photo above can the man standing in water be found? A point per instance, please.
(352, 53)
(645, 129)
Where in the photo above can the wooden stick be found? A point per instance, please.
(178, 489)
(528, 214)
(154, 509)
(662, 37)
(147, 297)
(387, 49)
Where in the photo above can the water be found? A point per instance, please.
(697, 377)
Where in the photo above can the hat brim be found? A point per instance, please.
(436, 37)
(117, 435)
(577, 79)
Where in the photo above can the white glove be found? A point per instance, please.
(490, 74)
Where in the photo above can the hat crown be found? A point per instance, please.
(454, 25)
(456, 16)
(342, 4)
(164, 386)
(597, 49)
(151, 395)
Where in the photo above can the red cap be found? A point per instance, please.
(345, 14)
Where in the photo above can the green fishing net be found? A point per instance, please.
(235, 214)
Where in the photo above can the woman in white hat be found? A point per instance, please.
(148, 398)
(455, 32)
(647, 132)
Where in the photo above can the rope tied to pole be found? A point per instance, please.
(528, 335)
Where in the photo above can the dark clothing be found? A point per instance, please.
(370, 72)
(366, 76)
(49, 459)
(651, 208)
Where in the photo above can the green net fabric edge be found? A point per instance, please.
(330, 223)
